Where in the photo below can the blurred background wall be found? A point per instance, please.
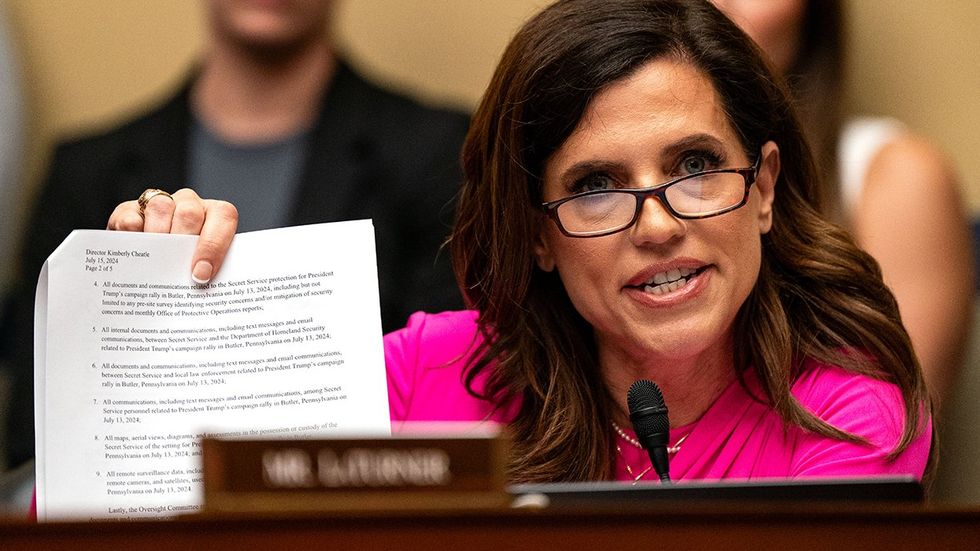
(87, 63)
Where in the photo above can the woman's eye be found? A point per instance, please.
(593, 182)
(693, 165)
(699, 161)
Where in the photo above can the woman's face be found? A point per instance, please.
(775, 25)
(663, 121)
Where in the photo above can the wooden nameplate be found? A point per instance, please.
(401, 472)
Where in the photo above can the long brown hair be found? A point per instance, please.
(818, 296)
(816, 82)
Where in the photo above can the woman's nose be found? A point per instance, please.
(655, 224)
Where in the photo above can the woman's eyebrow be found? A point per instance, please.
(700, 139)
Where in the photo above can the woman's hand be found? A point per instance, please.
(184, 213)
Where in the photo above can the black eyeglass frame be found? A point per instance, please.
(660, 192)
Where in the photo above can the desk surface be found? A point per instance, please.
(682, 526)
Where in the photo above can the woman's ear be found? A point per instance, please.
(765, 182)
(542, 252)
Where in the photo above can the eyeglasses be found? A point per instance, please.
(606, 211)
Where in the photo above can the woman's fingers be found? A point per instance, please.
(219, 224)
(188, 213)
(158, 213)
(126, 217)
(154, 215)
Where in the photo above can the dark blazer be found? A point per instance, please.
(373, 154)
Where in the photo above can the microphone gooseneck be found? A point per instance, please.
(648, 413)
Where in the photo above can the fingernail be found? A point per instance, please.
(202, 272)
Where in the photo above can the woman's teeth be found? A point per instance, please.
(668, 281)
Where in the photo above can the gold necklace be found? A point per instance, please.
(636, 443)
(629, 469)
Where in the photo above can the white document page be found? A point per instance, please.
(135, 362)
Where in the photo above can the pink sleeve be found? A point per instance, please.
(426, 366)
(865, 407)
(401, 362)
(424, 363)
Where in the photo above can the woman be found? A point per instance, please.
(876, 167)
(638, 203)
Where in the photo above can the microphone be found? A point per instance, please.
(648, 413)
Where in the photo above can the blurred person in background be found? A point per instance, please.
(893, 189)
(274, 120)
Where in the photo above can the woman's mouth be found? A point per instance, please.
(669, 281)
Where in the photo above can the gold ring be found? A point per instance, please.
(150, 194)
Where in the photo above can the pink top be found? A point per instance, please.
(737, 438)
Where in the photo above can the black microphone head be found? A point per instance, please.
(648, 413)
(644, 394)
